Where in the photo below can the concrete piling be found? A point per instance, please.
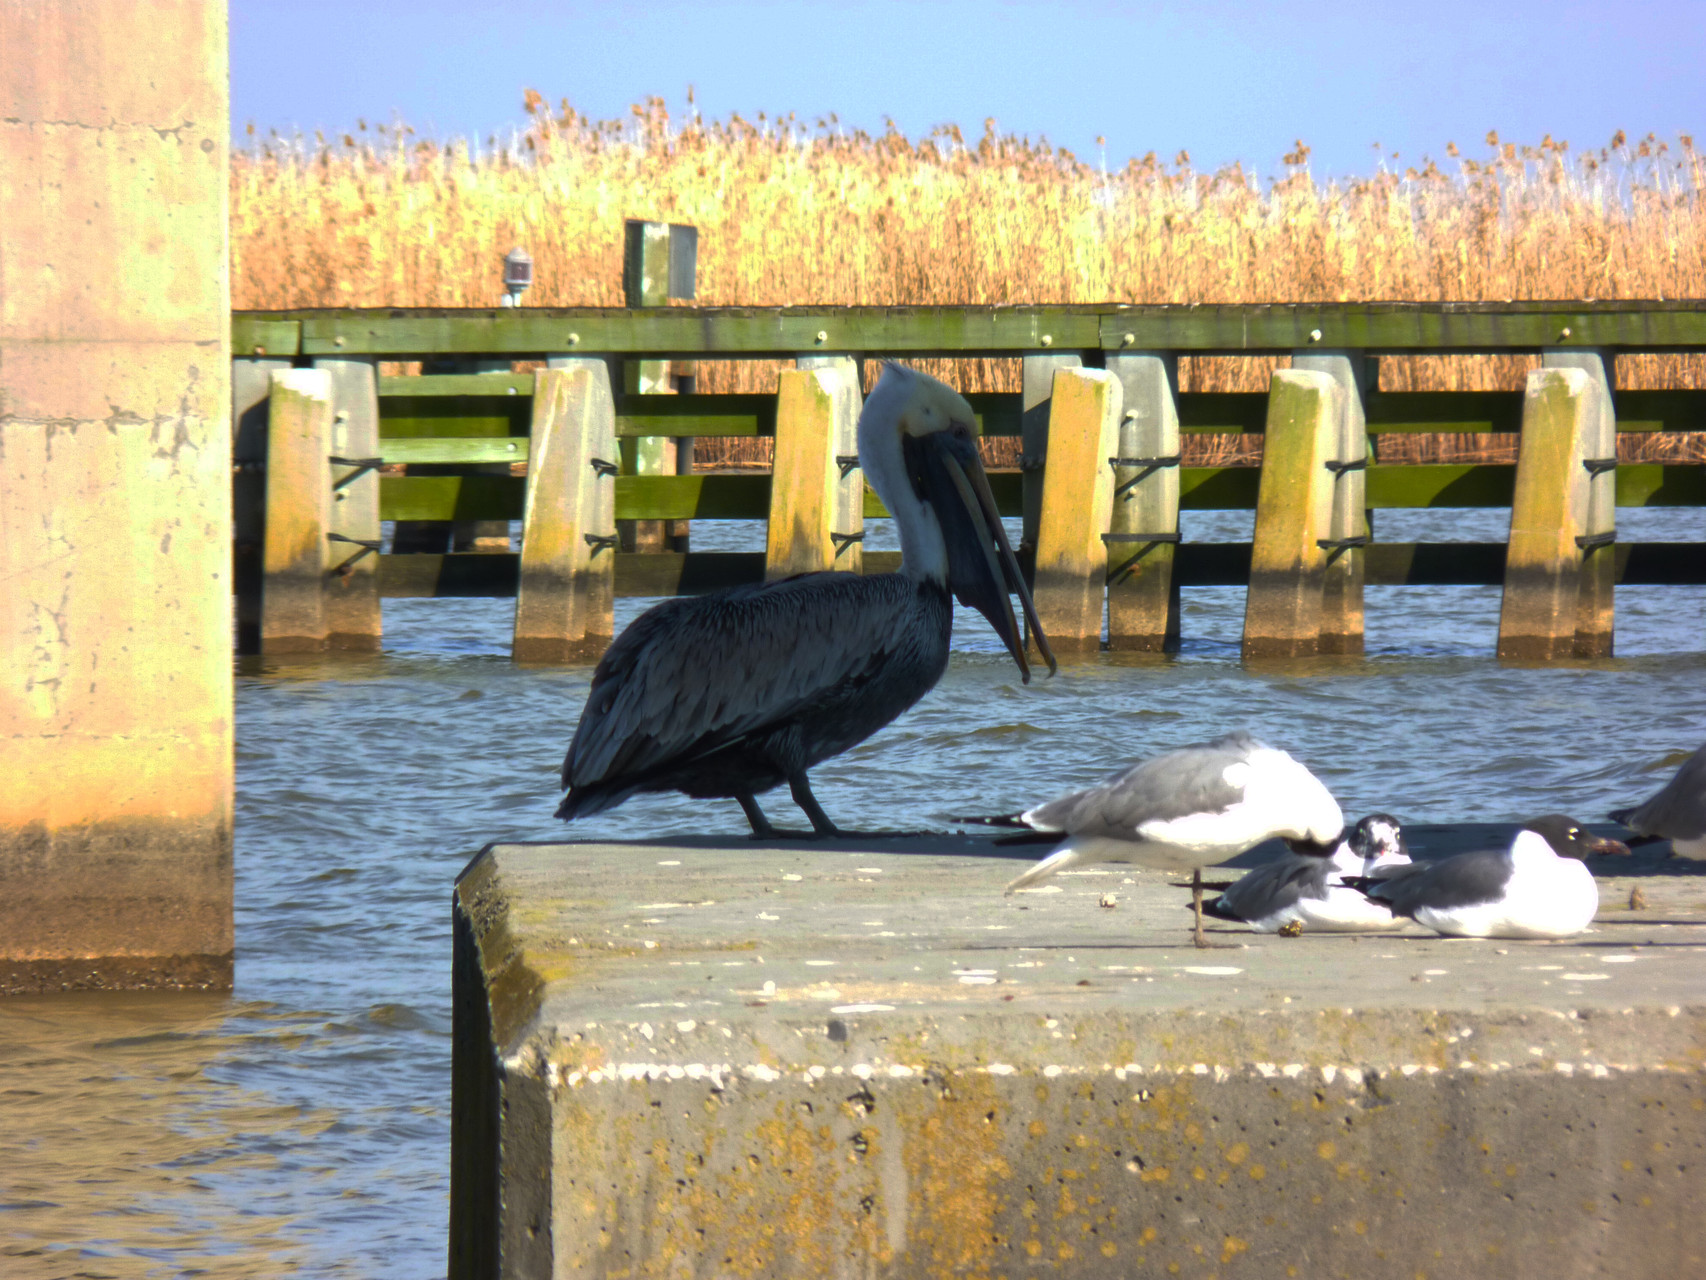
(805, 481)
(297, 552)
(1539, 615)
(646, 283)
(566, 592)
(1077, 507)
(251, 393)
(1037, 383)
(352, 585)
(1143, 593)
(1596, 612)
(1294, 508)
(115, 498)
(1342, 581)
(847, 513)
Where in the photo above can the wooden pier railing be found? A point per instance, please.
(320, 441)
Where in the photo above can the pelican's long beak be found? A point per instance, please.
(982, 568)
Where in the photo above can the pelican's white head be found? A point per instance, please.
(918, 450)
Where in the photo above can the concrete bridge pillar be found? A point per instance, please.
(115, 496)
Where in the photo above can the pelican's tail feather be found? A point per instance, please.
(1059, 860)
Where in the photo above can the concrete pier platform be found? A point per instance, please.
(720, 1059)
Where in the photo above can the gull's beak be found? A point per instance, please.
(1604, 845)
(982, 568)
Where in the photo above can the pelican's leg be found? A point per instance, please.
(801, 788)
(761, 828)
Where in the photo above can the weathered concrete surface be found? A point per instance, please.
(728, 1060)
(115, 496)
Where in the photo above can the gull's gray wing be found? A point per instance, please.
(1276, 886)
(1679, 808)
(1175, 785)
(1467, 880)
(696, 673)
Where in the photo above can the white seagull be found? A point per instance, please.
(1308, 890)
(1535, 888)
(1184, 810)
(1677, 813)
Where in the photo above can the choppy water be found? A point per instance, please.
(301, 1127)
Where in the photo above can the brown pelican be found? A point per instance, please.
(736, 692)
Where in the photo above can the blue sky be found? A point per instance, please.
(1222, 79)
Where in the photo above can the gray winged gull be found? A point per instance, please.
(1184, 810)
(736, 692)
(1308, 889)
(1537, 887)
(1677, 813)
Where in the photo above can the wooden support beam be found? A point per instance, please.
(847, 517)
(352, 588)
(1549, 511)
(813, 407)
(1078, 499)
(1395, 328)
(296, 552)
(251, 391)
(1143, 591)
(1294, 510)
(1596, 611)
(1341, 589)
(1038, 386)
(565, 592)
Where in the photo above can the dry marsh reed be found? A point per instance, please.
(791, 213)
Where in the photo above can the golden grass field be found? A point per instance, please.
(791, 213)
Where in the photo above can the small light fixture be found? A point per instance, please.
(518, 275)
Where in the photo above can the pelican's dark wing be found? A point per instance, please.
(692, 675)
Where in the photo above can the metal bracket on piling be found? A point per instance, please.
(599, 541)
(1589, 541)
(846, 462)
(1599, 466)
(1339, 468)
(361, 465)
(367, 547)
(1140, 537)
(844, 540)
(1150, 467)
(1031, 461)
(604, 468)
(1335, 547)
